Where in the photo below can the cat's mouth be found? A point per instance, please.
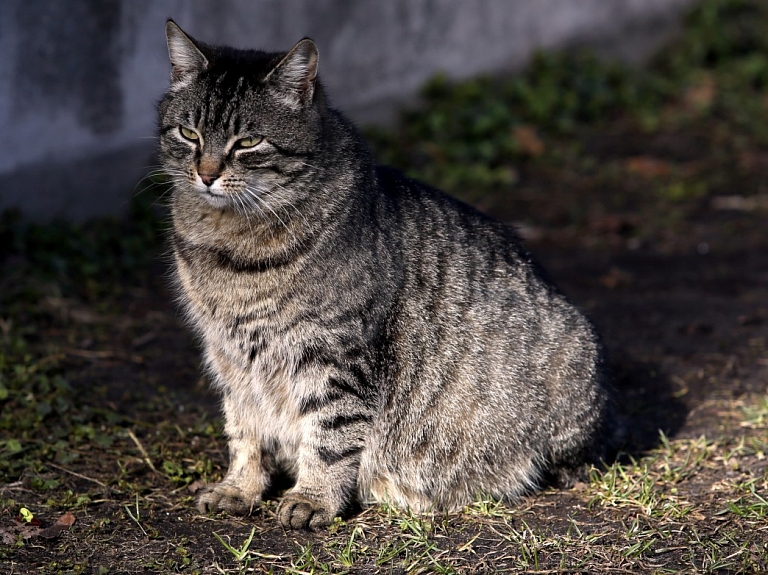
(216, 199)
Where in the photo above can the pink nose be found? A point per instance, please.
(208, 179)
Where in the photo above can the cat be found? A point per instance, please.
(374, 338)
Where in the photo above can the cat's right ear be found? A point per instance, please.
(186, 58)
(295, 75)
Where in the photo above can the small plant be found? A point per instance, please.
(756, 414)
(349, 552)
(26, 515)
(488, 507)
(752, 505)
(136, 517)
(635, 486)
(306, 562)
(241, 553)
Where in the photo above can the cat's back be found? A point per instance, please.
(448, 248)
(465, 273)
(487, 350)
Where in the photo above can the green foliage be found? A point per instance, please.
(40, 419)
(719, 34)
(88, 259)
(470, 133)
(472, 137)
(726, 44)
(238, 553)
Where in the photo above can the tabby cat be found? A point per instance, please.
(370, 336)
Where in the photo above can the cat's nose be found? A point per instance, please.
(208, 179)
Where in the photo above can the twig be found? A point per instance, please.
(15, 486)
(81, 476)
(90, 353)
(143, 339)
(142, 450)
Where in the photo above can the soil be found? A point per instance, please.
(684, 316)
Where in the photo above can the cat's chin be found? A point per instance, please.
(217, 201)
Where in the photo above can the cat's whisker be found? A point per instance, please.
(159, 172)
(142, 187)
(309, 165)
(250, 199)
(281, 205)
(164, 173)
(255, 196)
(237, 206)
(266, 217)
(157, 177)
(301, 215)
(263, 201)
(159, 198)
(149, 182)
(239, 200)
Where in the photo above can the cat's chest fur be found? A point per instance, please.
(253, 330)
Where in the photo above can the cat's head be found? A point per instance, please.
(240, 127)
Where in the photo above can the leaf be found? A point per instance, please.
(528, 141)
(62, 524)
(13, 445)
(647, 167)
(26, 515)
(68, 519)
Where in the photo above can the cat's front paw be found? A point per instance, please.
(226, 497)
(298, 511)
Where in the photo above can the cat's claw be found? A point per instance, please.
(297, 511)
(229, 498)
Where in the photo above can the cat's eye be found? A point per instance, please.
(189, 134)
(251, 142)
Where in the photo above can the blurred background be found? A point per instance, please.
(81, 78)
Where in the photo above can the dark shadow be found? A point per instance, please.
(645, 399)
(636, 319)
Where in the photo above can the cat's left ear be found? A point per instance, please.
(186, 57)
(296, 73)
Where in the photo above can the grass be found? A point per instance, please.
(639, 515)
(240, 553)
(103, 413)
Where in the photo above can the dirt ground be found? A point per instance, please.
(686, 327)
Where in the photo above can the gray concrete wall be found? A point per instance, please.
(80, 78)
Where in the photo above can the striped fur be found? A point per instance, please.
(374, 338)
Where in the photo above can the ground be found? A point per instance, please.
(651, 219)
